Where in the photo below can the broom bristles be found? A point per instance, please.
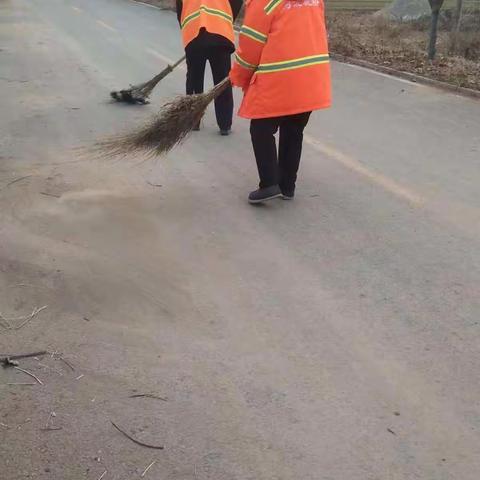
(173, 123)
(139, 93)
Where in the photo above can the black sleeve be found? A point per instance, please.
(236, 6)
(179, 6)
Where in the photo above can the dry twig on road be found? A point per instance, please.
(17, 180)
(148, 395)
(68, 364)
(148, 468)
(19, 356)
(29, 373)
(142, 444)
(33, 314)
(50, 194)
(50, 416)
(59, 356)
(20, 383)
(25, 318)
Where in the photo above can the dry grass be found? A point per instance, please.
(403, 45)
(465, 44)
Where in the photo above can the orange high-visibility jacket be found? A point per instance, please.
(215, 16)
(282, 61)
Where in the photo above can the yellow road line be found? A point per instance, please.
(106, 25)
(79, 10)
(377, 178)
(164, 58)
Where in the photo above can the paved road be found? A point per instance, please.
(335, 337)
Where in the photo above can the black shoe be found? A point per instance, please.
(288, 195)
(264, 194)
(196, 128)
(225, 132)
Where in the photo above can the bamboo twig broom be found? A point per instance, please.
(140, 93)
(168, 128)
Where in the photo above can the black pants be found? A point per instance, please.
(220, 63)
(278, 169)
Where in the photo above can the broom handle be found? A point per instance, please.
(170, 68)
(220, 87)
(178, 62)
(166, 71)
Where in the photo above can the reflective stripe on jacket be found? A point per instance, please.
(282, 61)
(215, 16)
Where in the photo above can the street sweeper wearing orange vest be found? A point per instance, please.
(207, 33)
(282, 65)
(215, 16)
(282, 61)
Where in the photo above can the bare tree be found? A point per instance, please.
(456, 25)
(435, 6)
(458, 14)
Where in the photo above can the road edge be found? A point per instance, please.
(150, 5)
(448, 87)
